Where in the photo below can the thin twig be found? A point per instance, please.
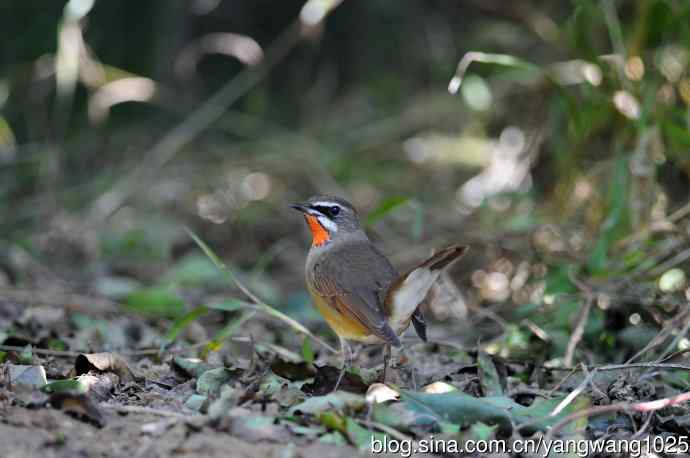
(579, 330)
(573, 394)
(679, 214)
(661, 335)
(648, 406)
(563, 380)
(41, 351)
(674, 343)
(674, 261)
(386, 429)
(86, 304)
(593, 383)
(147, 410)
(140, 353)
(536, 330)
(611, 367)
(646, 231)
(617, 367)
(644, 426)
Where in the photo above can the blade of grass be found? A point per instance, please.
(505, 60)
(307, 352)
(229, 329)
(230, 305)
(386, 207)
(184, 321)
(260, 305)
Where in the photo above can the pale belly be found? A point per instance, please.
(350, 328)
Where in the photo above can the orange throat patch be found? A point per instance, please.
(318, 232)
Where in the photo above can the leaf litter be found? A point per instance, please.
(258, 382)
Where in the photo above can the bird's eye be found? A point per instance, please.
(334, 210)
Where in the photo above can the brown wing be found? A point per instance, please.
(354, 277)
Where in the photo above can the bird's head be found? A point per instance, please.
(329, 218)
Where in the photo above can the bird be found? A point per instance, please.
(354, 286)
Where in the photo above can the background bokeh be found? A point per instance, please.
(557, 149)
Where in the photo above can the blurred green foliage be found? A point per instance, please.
(595, 94)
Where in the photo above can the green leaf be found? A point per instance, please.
(679, 135)
(193, 367)
(334, 438)
(488, 375)
(360, 436)
(62, 386)
(196, 402)
(282, 390)
(400, 416)
(333, 421)
(333, 401)
(156, 301)
(503, 60)
(27, 355)
(616, 222)
(481, 431)
(384, 208)
(307, 351)
(209, 382)
(230, 305)
(228, 330)
(194, 270)
(558, 281)
(461, 408)
(182, 322)
(116, 287)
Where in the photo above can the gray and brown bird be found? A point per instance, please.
(355, 287)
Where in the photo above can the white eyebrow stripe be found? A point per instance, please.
(326, 203)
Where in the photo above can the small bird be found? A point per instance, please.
(355, 287)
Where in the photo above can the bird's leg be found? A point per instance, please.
(386, 360)
(413, 373)
(345, 352)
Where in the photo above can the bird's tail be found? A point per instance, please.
(408, 292)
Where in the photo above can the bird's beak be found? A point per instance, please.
(300, 207)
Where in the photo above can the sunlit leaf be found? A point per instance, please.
(315, 11)
(504, 60)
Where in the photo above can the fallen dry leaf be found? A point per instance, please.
(104, 362)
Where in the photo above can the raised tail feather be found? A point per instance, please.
(444, 257)
(410, 290)
(419, 323)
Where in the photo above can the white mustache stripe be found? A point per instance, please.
(327, 223)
